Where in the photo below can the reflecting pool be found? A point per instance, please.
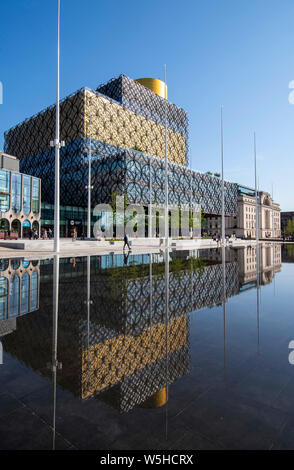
(168, 350)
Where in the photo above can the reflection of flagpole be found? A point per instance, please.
(89, 301)
(258, 295)
(166, 333)
(223, 185)
(55, 363)
(224, 302)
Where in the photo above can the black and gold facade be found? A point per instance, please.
(124, 122)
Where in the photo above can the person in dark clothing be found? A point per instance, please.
(126, 259)
(126, 242)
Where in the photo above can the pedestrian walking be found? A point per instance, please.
(126, 242)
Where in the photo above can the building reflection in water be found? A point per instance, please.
(19, 291)
(120, 331)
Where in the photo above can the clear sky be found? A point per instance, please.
(235, 53)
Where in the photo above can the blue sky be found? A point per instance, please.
(235, 53)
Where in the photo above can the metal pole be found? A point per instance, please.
(166, 167)
(224, 303)
(89, 178)
(223, 186)
(57, 147)
(55, 363)
(150, 188)
(191, 197)
(166, 332)
(258, 294)
(273, 233)
(256, 196)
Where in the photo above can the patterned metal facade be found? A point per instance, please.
(126, 123)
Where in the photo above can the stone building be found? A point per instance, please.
(243, 224)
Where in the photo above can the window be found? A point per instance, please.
(26, 194)
(4, 181)
(4, 188)
(3, 297)
(34, 291)
(25, 293)
(35, 196)
(14, 296)
(4, 202)
(16, 192)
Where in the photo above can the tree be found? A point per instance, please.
(290, 228)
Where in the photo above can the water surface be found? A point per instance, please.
(173, 350)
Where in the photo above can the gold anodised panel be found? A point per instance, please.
(110, 362)
(111, 123)
(155, 85)
(116, 125)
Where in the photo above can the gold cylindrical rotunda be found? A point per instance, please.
(155, 85)
(157, 400)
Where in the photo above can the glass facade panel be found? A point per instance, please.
(25, 284)
(26, 194)
(4, 181)
(4, 188)
(14, 296)
(3, 298)
(34, 291)
(4, 202)
(36, 196)
(16, 192)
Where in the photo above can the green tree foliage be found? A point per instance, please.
(290, 228)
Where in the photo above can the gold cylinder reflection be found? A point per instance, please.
(155, 85)
(157, 400)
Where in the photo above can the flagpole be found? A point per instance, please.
(57, 144)
(89, 177)
(166, 166)
(273, 231)
(223, 186)
(256, 196)
(150, 187)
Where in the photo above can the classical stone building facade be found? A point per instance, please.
(243, 224)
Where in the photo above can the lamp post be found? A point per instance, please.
(57, 144)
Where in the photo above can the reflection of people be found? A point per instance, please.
(126, 258)
(126, 242)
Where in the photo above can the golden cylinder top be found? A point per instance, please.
(155, 85)
(157, 400)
